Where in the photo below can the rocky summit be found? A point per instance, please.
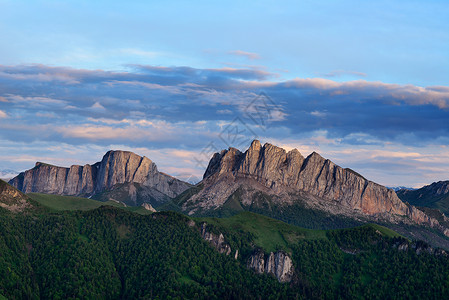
(287, 177)
(123, 172)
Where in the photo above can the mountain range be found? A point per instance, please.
(265, 179)
(57, 243)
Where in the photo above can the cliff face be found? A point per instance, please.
(116, 167)
(276, 263)
(216, 240)
(44, 178)
(277, 172)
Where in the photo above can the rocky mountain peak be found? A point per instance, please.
(255, 146)
(286, 175)
(115, 168)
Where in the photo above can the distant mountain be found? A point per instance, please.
(7, 174)
(270, 180)
(398, 188)
(121, 176)
(435, 195)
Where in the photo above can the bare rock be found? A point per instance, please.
(276, 263)
(148, 206)
(216, 240)
(256, 262)
(282, 174)
(12, 199)
(116, 167)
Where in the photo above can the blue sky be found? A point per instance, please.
(364, 83)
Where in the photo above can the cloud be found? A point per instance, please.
(139, 52)
(224, 111)
(3, 114)
(339, 73)
(97, 106)
(318, 114)
(163, 104)
(248, 55)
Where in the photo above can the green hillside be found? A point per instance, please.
(271, 234)
(427, 197)
(61, 203)
(110, 253)
(268, 233)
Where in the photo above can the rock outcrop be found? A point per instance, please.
(116, 167)
(12, 199)
(276, 263)
(148, 207)
(216, 240)
(285, 175)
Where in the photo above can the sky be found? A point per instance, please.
(363, 83)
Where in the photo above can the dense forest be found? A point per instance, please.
(110, 253)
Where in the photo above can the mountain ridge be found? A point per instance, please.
(116, 167)
(287, 176)
(435, 195)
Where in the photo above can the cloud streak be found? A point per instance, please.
(248, 55)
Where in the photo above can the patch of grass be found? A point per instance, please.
(269, 234)
(186, 279)
(384, 230)
(137, 209)
(60, 203)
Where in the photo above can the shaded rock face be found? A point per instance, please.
(216, 240)
(116, 167)
(276, 263)
(435, 195)
(277, 172)
(435, 189)
(12, 199)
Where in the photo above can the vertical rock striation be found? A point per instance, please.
(276, 263)
(116, 167)
(284, 173)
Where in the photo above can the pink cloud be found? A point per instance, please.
(248, 55)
